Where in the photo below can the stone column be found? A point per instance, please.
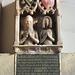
(58, 18)
(17, 23)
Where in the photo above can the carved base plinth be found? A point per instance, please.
(38, 49)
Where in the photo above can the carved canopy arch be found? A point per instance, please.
(31, 8)
(32, 5)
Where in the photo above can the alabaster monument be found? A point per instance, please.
(37, 26)
(38, 40)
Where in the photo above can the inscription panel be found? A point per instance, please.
(39, 64)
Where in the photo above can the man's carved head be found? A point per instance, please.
(29, 20)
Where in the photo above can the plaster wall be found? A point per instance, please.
(0, 23)
(68, 25)
(7, 27)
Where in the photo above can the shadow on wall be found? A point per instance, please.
(7, 28)
(0, 24)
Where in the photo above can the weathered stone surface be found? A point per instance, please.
(68, 63)
(6, 64)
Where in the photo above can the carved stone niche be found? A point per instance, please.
(37, 27)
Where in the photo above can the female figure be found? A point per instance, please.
(46, 35)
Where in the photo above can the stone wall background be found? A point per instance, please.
(7, 37)
(6, 64)
(67, 64)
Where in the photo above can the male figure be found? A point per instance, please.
(30, 36)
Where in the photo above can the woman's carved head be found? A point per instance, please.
(47, 22)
